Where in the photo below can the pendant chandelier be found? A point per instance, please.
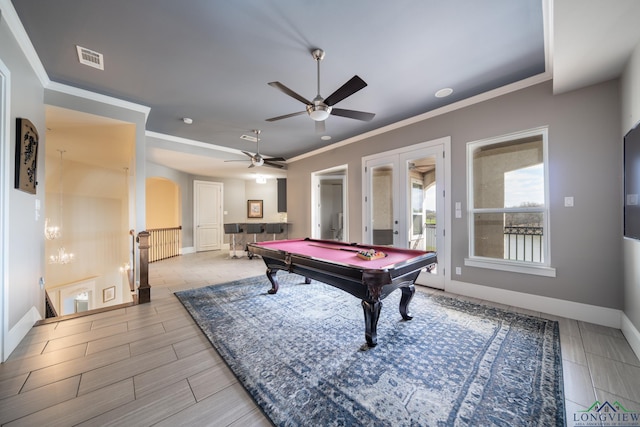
(54, 232)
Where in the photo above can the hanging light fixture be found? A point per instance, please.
(52, 232)
(62, 257)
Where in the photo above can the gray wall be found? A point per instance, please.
(25, 258)
(584, 162)
(630, 93)
(185, 183)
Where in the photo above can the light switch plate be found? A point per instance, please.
(568, 202)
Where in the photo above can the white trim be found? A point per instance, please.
(631, 334)
(104, 99)
(5, 155)
(513, 266)
(573, 310)
(192, 142)
(544, 268)
(21, 329)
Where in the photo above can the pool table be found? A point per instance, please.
(338, 264)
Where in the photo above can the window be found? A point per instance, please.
(508, 208)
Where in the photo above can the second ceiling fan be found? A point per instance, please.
(320, 108)
(257, 159)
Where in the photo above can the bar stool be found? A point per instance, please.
(233, 229)
(255, 229)
(275, 228)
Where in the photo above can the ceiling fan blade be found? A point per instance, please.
(248, 154)
(289, 92)
(273, 165)
(246, 160)
(346, 90)
(275, 159)
(252, 165)
(286, 116)
(352, 114)
(320, 127)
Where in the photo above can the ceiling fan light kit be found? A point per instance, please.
(318, 112)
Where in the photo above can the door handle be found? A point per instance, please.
(396, 232)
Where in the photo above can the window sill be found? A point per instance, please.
(513, 266)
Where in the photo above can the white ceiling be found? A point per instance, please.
(592, 40)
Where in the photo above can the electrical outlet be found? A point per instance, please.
(568, 202)
(458, 271)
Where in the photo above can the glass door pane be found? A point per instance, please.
(382, 205)
(424, 233)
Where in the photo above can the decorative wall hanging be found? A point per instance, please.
(109, 294)
(26, 156)
(254, 208)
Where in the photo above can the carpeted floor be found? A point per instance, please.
(455, 364)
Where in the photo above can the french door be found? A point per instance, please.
(405, 202)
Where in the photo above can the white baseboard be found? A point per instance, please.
(188, 250)
(574, 310)
(20, 330)
(631, 334)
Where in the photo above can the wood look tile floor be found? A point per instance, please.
(151, 365)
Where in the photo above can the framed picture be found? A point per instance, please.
(254, 208)
(26, 156)
(109, 294)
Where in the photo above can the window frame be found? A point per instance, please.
(526, 267)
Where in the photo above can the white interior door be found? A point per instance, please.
(405, 202)
(384, 225)
(329, 214)
(207, 215)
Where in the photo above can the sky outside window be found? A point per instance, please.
(524, 187)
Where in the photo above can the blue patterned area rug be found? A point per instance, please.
(455, 364)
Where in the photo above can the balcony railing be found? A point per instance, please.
(523, 243)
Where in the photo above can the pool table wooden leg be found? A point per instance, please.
(371, 315)
(407, 295)
(271, 275)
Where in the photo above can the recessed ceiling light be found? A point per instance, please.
(325, 137)
(442, 93)
(187, 120)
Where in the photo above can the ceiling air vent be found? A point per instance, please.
(90, 57)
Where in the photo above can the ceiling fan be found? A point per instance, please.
(257, 159)
(320, 108)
